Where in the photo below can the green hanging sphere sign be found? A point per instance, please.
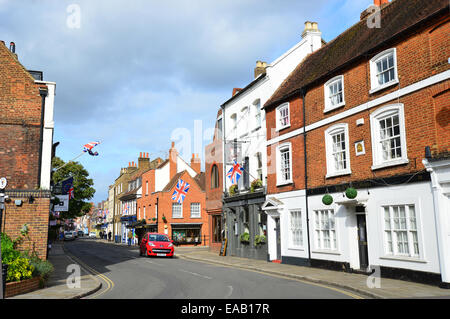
(351, 193)
(327, 199)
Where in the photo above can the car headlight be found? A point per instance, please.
(170, 245)
(151, 244)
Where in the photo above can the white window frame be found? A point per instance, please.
(279, 126)
(329, 133)
(377, 154)
(392, 230)
(280, 148)
(258, 114)
(373, 71)
(181, 210)
(245, 112)
(319, 231)
(199, 211)
(234, 131)
(296, 227)
(328, 105)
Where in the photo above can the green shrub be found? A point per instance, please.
(245, 237)
(233, 189)
(42, 268)
(257, 183)
(9, 253)
(260, 239)
(19, 269)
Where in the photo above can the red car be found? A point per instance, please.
(154, 244)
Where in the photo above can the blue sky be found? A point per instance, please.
(136, 72)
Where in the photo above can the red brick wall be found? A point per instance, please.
(21, 287)
(213, 156)
(35, 214)
(164, 199)
(20, 109)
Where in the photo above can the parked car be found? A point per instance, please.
(75, 234)
(68, 235)
(154, 244)
(92, 234)
(80, 233)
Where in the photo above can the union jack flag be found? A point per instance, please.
(180, 191)
(235, 173)
(89, 146)
(125, 209)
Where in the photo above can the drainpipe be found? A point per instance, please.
(306, 175)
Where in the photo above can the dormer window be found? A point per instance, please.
(383, 70)
(334, 93)
(282, 117)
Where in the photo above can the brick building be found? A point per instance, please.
(186, 222)
(214, 186)
(363, 113)
(26, 132)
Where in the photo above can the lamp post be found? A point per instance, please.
(3, 183)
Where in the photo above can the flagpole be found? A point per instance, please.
(82, 153)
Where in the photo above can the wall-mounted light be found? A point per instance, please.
(31, 199)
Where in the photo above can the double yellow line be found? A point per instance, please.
(109, 282)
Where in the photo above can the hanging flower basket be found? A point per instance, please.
(351, 193)
(164, 219)
(327, 199)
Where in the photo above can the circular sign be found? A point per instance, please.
(3, 182)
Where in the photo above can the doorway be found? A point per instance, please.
(362, 242)
(278, 237)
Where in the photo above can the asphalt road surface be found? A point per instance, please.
(126, 275)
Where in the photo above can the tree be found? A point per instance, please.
(82, 184)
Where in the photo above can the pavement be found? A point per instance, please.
(384, 288)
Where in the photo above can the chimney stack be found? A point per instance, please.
(12, 48)
(260, 68)
(173, 154)
(143, 161)
(196, 163)
(310, 27)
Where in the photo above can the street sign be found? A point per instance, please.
(63, 205)
(3, 182)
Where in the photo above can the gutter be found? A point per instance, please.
(43, 93)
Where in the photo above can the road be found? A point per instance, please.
(126, 275)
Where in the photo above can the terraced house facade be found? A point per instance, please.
(358, 149)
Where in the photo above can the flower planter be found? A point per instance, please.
(22, 287)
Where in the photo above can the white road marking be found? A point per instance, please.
(195, 274)
(230, 292)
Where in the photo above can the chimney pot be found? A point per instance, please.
(173, 144)
(140, 154)
(12, 47)
(147, 155)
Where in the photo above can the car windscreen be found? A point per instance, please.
(158, 238)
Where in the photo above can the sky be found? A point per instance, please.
(139, 74)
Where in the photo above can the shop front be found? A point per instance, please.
(187, 234)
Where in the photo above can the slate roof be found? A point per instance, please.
(397, 18)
